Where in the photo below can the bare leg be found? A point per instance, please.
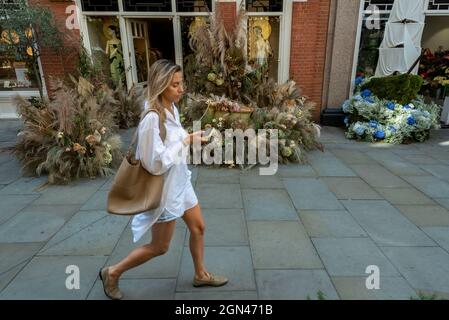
(195, 222)
(162, 234)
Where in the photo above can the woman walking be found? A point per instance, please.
(165, 88)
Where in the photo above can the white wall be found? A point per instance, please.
(436, 33)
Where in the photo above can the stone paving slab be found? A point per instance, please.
(439, 171)
(349, 257)
(13, 254)
(165, 266)
(216, 295)
(289, 171)
(83, 236)
(44, 278)
(7, 276)
(24, 186)
(431, 186)
(350, 188)
(12, 204)
(405, 196)
(281, 245)
(268, 205)
(331, 224)
(440, 235)
(379, 177)
(10, 171)
(36, 223)
(311, 194)
(422, 159)
(352, 156)
(55, 195)
(391, 288)
(426, 216)
(385, 224)
(329, 166)
(443, 202)
(260, 182)
(423, 268)
(218, 176)
(138, 289)
(232, 262)
(224, 227)
(294, 285)
(220, 196)
(98, 201)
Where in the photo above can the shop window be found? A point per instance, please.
(147, 6)
(370, 41)
(99, 5)
(264, 5)
(16, 71)
(106, 46)
(194, 5)
(263, 44)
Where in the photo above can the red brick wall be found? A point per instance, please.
(308, 48)
(227, 11)
(59, 64)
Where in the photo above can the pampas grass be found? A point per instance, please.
(71, 135)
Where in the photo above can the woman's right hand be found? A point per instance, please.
(192, 137)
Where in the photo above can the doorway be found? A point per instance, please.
(151, 39)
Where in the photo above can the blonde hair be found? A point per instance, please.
(160, 76)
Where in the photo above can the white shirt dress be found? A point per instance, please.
(168, 158)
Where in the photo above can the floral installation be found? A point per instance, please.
(227, 92)
(434, 69)
(71, 135)
(372, 119)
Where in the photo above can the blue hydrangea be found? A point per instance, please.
(411, 121)
(347, 121)
(370, 100)
(346, 106)
(358, 97)
(392, 129)
(391, 105)
(373, 124)
(406, 107)
(366, 93)
(359, 80)
(359, 129)
(379, 134)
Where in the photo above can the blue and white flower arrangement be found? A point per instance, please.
(369, 118)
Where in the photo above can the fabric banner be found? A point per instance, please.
(408, 9)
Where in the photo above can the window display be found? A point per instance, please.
(106, 46)
(263, 43)
(15, 72)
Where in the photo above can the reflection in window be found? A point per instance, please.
(264, 5)
(194, 5)
(16, 71)
(369, 47)
(99, 5)
(147, 6)
(263, 44)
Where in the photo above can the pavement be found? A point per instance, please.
(309, 231)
